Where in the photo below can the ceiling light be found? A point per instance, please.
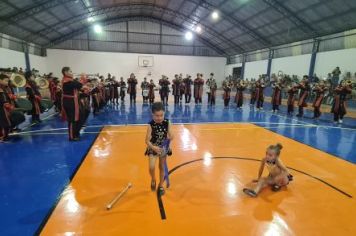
(198, 29)
(98, 29)
(215, 15)
(189, 35)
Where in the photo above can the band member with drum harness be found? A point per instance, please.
(144, 87)
(34, 96)
(132, 82)
(70, 103)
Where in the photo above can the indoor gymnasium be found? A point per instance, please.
(177, 117)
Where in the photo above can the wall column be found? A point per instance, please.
(269, 65)
(316, 45)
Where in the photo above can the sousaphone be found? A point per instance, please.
(42, 83)
(18, 80)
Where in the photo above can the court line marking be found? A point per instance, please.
(160, 201)
(39, 132)
(51, 210)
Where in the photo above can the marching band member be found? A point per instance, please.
(239, 98)
(34, 96)
(292, 91)
(151, 91)
(198, 88)
(176, 89)
(212, 88)
(122, 85)
(164, 89)
(131, 83)
(115, 90)
(260, 86)
(58, 95)
(276, 95)
(320, 90)
(226, 85)
(84, 104)
(5, 109)
(252, 87)
(339, 105)
(144, 87)
(95, 98)
(70, 103)
(188, 88)
(304, 93)
(208, 91)
(181, 88)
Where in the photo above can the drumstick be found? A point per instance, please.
(117, 197)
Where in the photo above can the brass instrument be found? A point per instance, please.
(18, 80)
(42, 82)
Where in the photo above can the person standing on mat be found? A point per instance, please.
(158, 130)
(278, 173)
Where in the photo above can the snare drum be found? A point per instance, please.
(145, 92)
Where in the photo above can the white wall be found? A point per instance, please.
(122, 64)
(255, 68)
(327, 61)
(294, 65)
(230, 67)
(11, 58)
(40, 63)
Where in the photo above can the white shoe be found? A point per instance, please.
(340, 121)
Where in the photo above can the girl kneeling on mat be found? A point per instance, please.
(158, 130)
(278, 173)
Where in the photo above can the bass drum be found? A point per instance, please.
(24, 105)
(46, 104)
(17, 117)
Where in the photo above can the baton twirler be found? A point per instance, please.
(117, 197)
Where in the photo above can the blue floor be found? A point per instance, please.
(37, 165)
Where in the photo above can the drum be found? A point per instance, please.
(17, 117)
(145, 92)
(23, 104)
(46, 104)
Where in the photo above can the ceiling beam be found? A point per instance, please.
(137, 18)
(123, 7)
(290, 15)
